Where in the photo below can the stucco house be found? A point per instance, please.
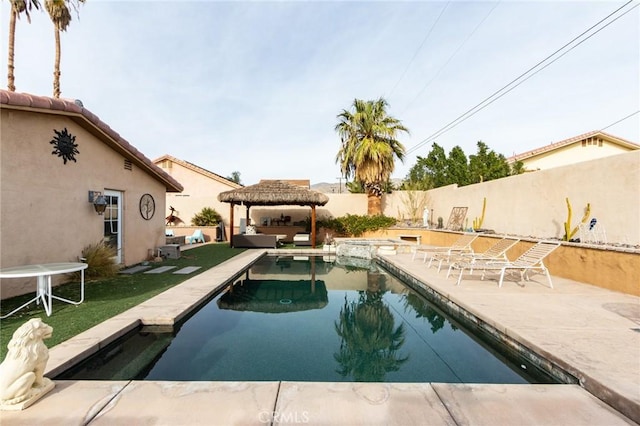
(201, 189)
(588, 146)
(56, 160)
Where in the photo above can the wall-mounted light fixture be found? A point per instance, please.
(98, 200)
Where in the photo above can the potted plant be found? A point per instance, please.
(329, 244)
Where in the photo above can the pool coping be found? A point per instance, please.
(535, 353)
(166, 309)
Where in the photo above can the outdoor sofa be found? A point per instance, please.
(255, 241)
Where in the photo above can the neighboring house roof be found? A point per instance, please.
(551, 147)
(305, 183)
(85, 118)
(198, 169)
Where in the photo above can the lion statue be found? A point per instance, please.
(21, 372)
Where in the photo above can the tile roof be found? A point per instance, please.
(76, 111)
(304, 183)
(198, 169)
(560, 144)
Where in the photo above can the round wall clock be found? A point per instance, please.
(147, 206)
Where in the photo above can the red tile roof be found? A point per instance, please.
(198, 169)
(76, 111)
(556, 145)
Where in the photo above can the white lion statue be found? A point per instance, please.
(21, 372)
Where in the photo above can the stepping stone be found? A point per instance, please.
(135, 269)
(160, 270)
(187, 270)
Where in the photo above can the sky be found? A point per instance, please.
(256, 86)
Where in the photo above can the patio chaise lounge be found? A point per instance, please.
(461, 245)
(527, 261)
(497, 252)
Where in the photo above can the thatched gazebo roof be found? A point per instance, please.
(274, 193)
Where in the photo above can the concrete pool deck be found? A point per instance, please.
(588, 331)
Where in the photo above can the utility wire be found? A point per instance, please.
(506, 88)
(479, 108)
(451, 57)
(621, 120)
(419, 48)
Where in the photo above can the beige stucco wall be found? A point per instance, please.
(45, 215)
(533, 204)
(572, 154)
(200, 191)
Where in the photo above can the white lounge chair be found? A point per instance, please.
(461, 245)
(196, 237)
(496, 252)
(529, 260)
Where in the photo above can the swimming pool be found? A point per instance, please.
(309, 319)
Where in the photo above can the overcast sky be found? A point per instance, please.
(255, 87)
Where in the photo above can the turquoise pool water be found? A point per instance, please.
(309, 319)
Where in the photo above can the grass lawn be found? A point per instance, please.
(105, 298)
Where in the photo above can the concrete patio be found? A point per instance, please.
(590, 333)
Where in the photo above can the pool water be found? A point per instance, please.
(309, 319)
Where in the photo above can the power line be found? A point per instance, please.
(451, 57)
(486, 102)
(506, 88)
(621, 120)
(419, 48)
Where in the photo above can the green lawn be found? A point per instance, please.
(105, 298)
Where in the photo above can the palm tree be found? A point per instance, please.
(369, 147)
(17, 7)
(61, 17)
(369, 340)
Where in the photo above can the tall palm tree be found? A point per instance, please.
(17, 7)
(61, 17)
(369, 147)
(369, 340)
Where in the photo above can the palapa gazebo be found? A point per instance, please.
(274, 193)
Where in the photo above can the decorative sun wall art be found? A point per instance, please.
(65, 145)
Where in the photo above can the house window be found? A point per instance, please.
(584, 142)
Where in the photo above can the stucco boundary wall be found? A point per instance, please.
(534, 204)
(610, 268)
(530, 205)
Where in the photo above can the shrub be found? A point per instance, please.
(206, 217)
(99, 257)
(355, 225)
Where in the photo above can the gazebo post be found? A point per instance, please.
(231, 227)
(313, 226)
